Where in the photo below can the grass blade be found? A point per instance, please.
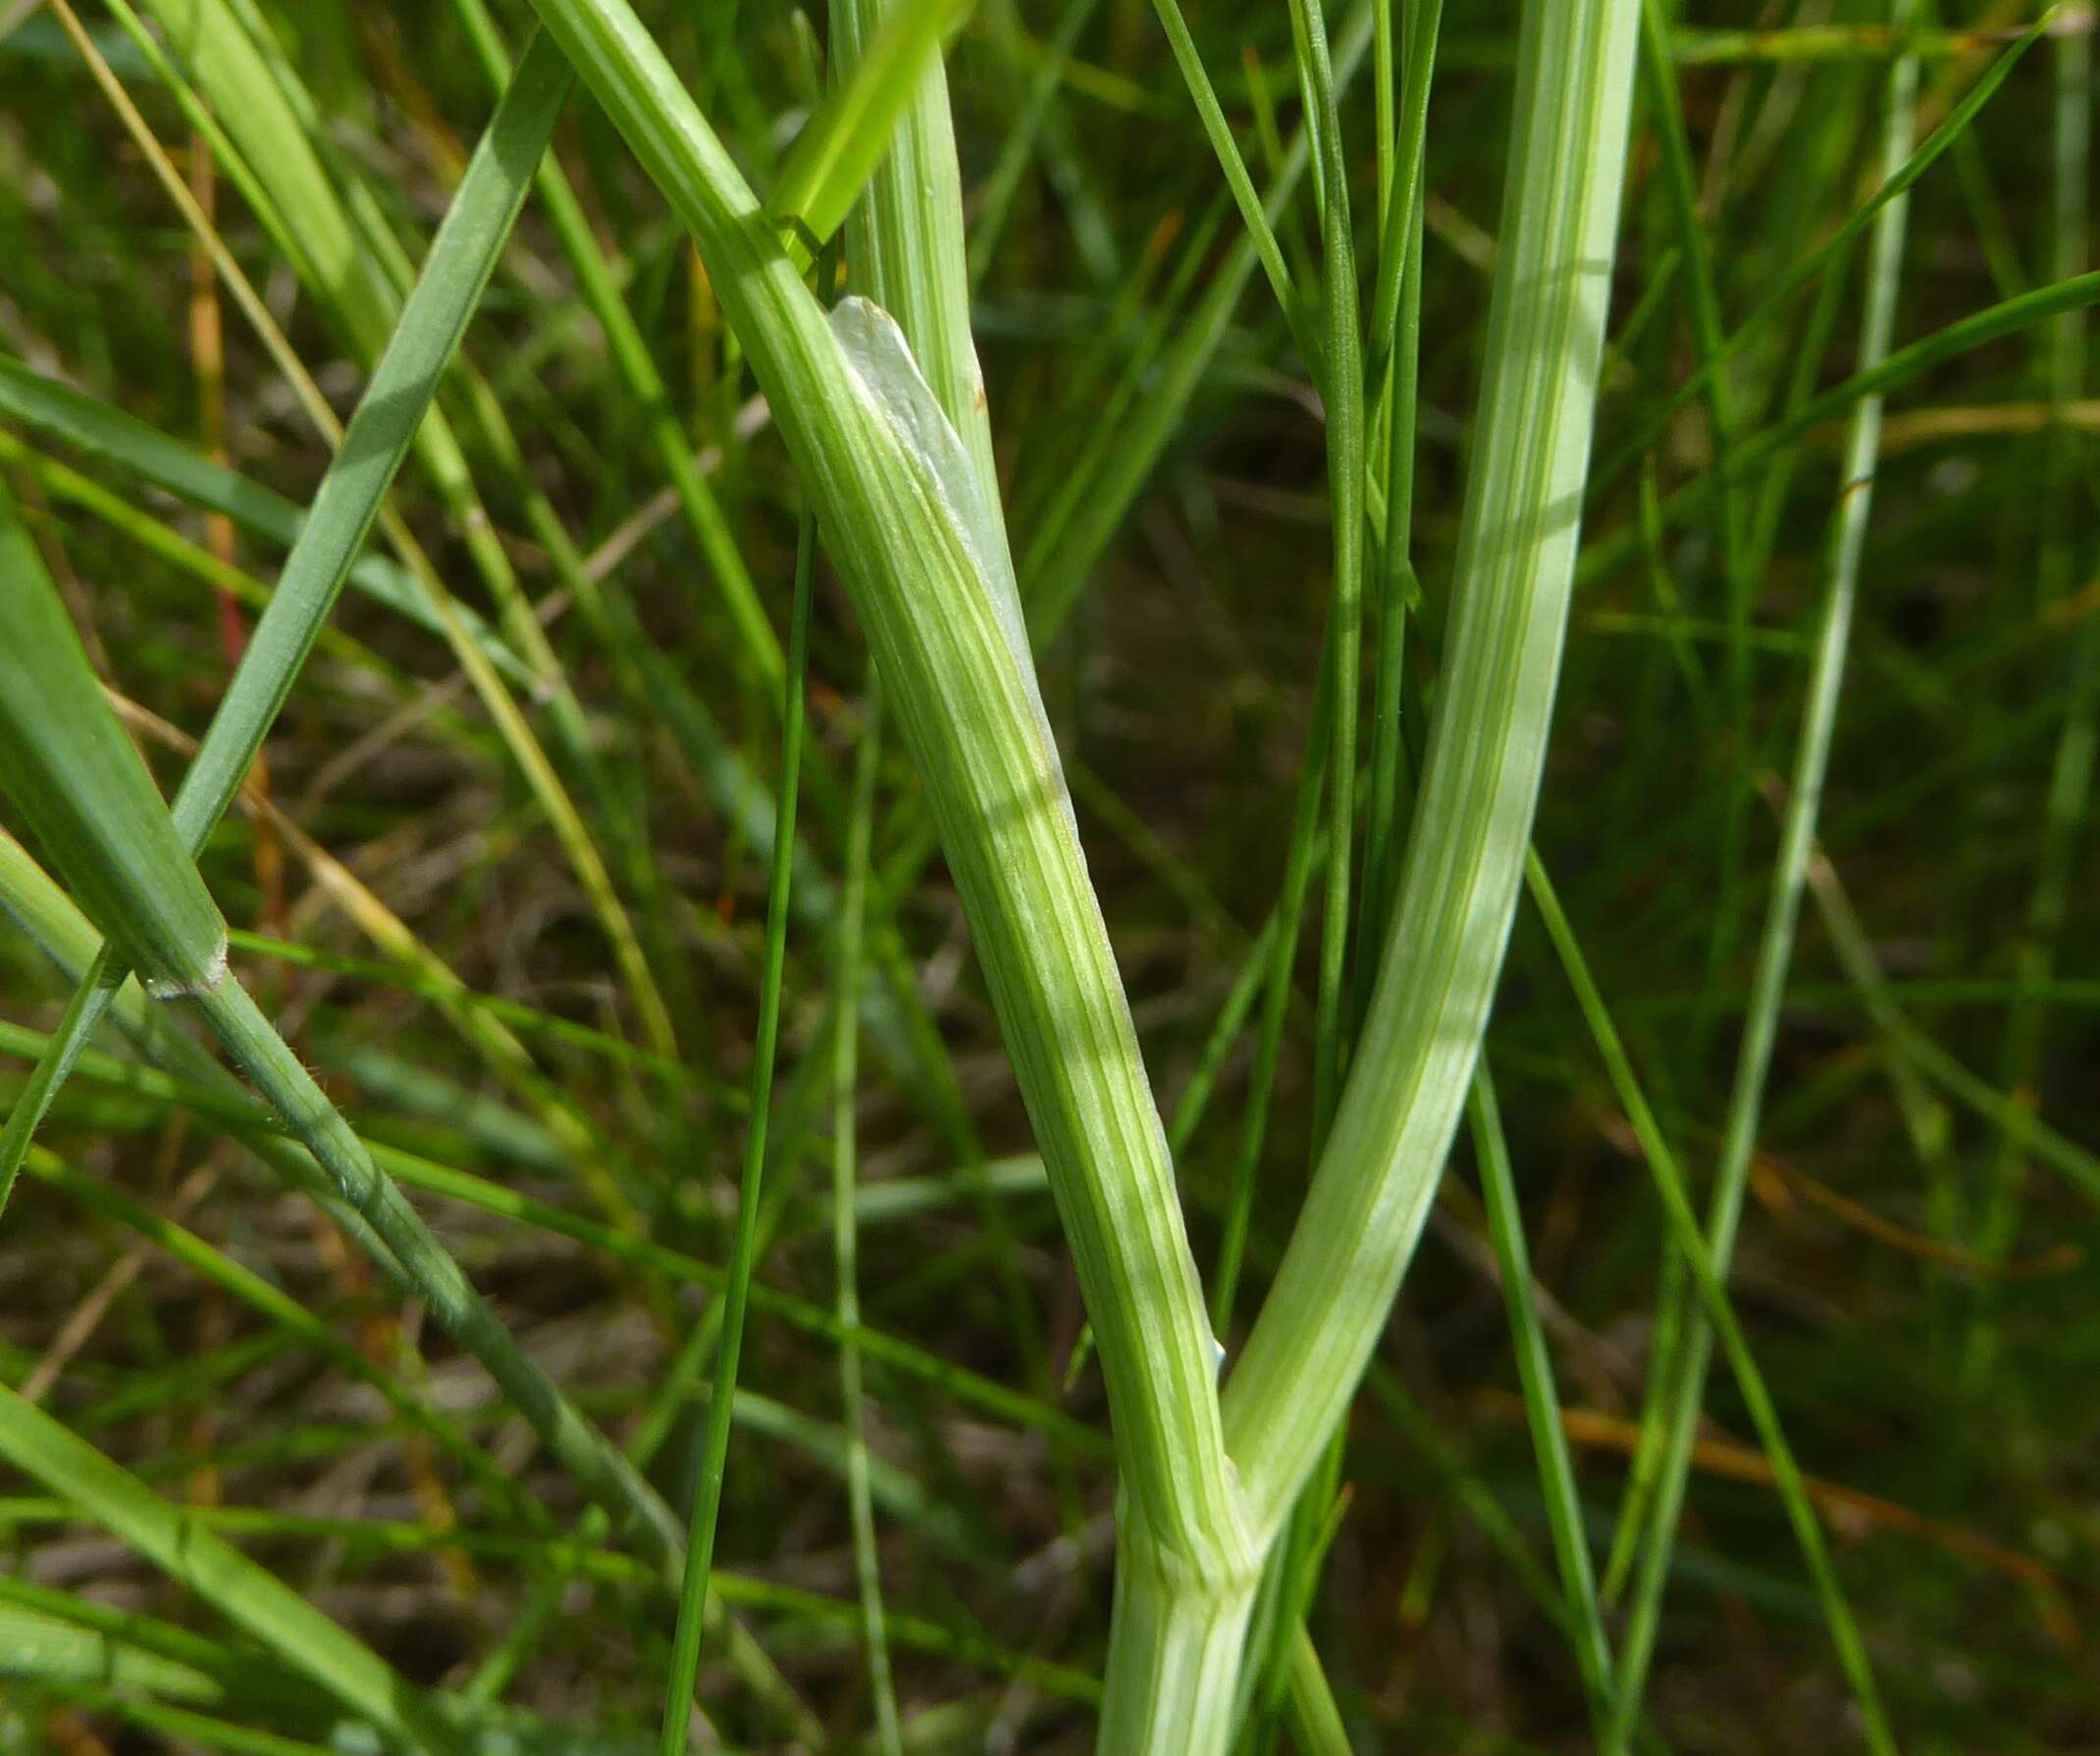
(1457, 886)
(839, 148)
(246, 1595)
(1848, 535)
(328, 541)
(707, 1497)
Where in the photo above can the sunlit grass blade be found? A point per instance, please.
(85, 790)
(841, 145)
(1463, 861)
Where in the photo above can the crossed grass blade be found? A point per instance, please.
(322, 557)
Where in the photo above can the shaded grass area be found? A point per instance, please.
(1915, 1273)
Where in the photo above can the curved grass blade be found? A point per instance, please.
(1457, 885)
(83, 788)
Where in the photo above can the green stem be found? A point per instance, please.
(736, 1298)
(1846, 538)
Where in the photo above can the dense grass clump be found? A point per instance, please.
(920, 878)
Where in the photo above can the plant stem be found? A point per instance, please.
(736, 1298)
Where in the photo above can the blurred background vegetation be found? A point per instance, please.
(1916, 1270)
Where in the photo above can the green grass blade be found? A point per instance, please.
(954, 668)
(219, 1573)
(840, 146)
(1189, 60)
(1457, 887)
(58, 412)
(1847, 539)
(1542, 1404)
(83, 788)
(1342, 388)
(377, 439)
(1395, 348)
(715, 1452)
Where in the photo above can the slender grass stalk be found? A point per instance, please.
(899, 505)
(1457, 885)
(1396, 353)
(2068, 798)
(1252, 214)
(1542, 1408)
(1846, 538)
(736, 1300)
(1342, 388)
(845, 1232)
